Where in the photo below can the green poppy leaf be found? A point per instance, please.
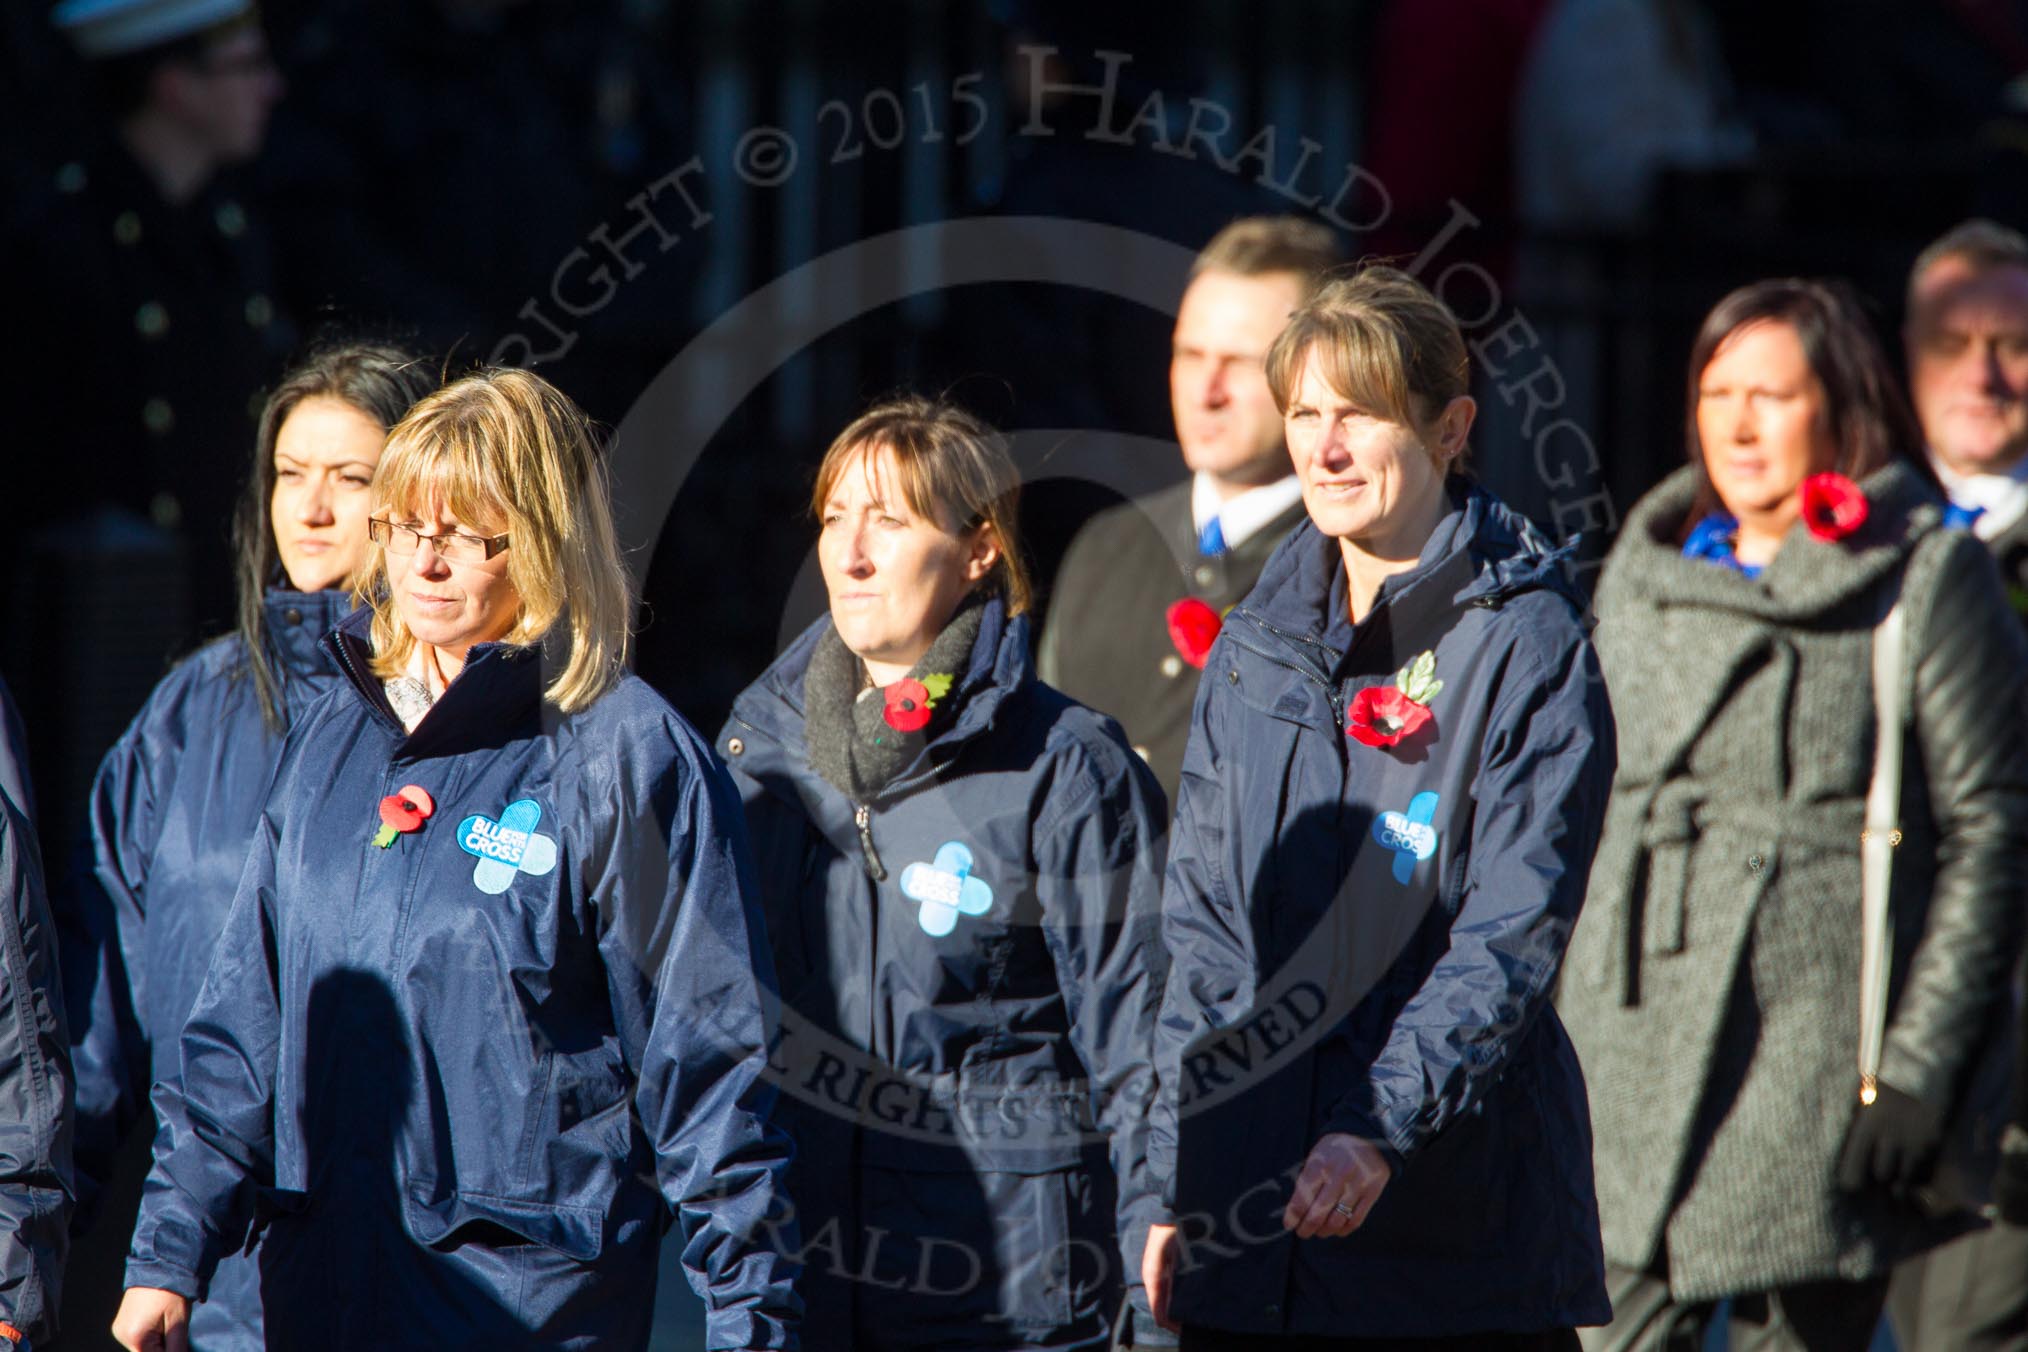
(938, 684)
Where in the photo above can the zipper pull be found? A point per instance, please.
(862, 816)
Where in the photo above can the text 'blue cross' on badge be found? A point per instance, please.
(508, 847)
(945, 888)
(1408, 834)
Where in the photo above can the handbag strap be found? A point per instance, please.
(1877, 843)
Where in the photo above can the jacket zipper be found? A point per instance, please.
(862, 817)
(1331, 689)
(345, 660)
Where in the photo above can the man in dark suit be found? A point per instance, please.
(1967, 336)
(1143, 584)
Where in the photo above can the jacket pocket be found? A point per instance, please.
(446, 1221)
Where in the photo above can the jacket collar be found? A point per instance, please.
(1481, 553)
(297, 623)
(495, 698)
(1806, 578)
(773, 705)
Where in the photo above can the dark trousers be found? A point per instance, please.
(1971, 1295)
(1214, 1340)
(1811, 1317)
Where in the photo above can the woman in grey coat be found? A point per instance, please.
(1712, 987)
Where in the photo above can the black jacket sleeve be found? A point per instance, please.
(1969, 669)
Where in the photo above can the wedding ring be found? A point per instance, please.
(1347, 1212)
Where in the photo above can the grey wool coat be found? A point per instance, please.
(1712, 986)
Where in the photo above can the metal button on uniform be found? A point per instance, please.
(152, 319)
(158, 417)
(1205, 574)
(735, 745)
(1232, 678)
(1172, 666)
(293, 615)
(127, 228)
(1755, 862)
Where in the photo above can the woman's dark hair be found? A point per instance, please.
(1872, 423)
(379, 380)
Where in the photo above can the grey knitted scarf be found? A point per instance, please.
(844, 716)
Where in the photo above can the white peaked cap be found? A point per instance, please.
(107, 28)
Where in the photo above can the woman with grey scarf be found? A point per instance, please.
(961, 870)
(1749, 1144)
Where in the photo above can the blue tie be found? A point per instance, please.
(1211, 540)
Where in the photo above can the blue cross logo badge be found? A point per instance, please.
(508, 847)
(1409, 834)
(945, 888)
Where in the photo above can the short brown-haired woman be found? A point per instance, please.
(1371, 1123)
(1714, 988)
(961, 872)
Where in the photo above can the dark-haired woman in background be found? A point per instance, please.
(176, 799)
(1713, 988)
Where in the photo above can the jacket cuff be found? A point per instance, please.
(741, 1330)
(1918, 1076)
(1395, 1150)
(163, 1277)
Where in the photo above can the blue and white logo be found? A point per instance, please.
(1409, 834)
(507, 848)
(945, 888)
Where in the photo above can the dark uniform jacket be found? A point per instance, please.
(1363, 939)
(155, 330)
(173, 811)
(970, 974)
(1107, 644)
(469, 1073)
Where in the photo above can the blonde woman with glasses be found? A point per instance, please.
(487, 1016)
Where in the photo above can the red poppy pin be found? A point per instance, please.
(909, 701)
(1193, 628)
(402, 813)
(1833, 506)
(1385, 715)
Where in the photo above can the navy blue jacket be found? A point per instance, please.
(970, 972)
(173, 810)
(1364, 939)
(469, 1077)
(35, 1088)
